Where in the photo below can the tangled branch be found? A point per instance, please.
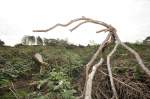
(111, 38)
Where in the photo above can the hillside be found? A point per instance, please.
(64, 78)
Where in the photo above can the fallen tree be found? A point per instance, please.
(111, 38)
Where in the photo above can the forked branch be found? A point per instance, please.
(86, 20)
(111, 35)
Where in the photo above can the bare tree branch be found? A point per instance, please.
(90, 79)
(137, 56)
(72, 21)
(103, 30)
(79, 25)
(89, 64)
(111, 37)
(110, 72)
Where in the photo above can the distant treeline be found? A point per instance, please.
(32, 40)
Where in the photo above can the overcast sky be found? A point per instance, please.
(19, 17)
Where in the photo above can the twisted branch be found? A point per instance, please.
(111, 35)
(73, 21)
